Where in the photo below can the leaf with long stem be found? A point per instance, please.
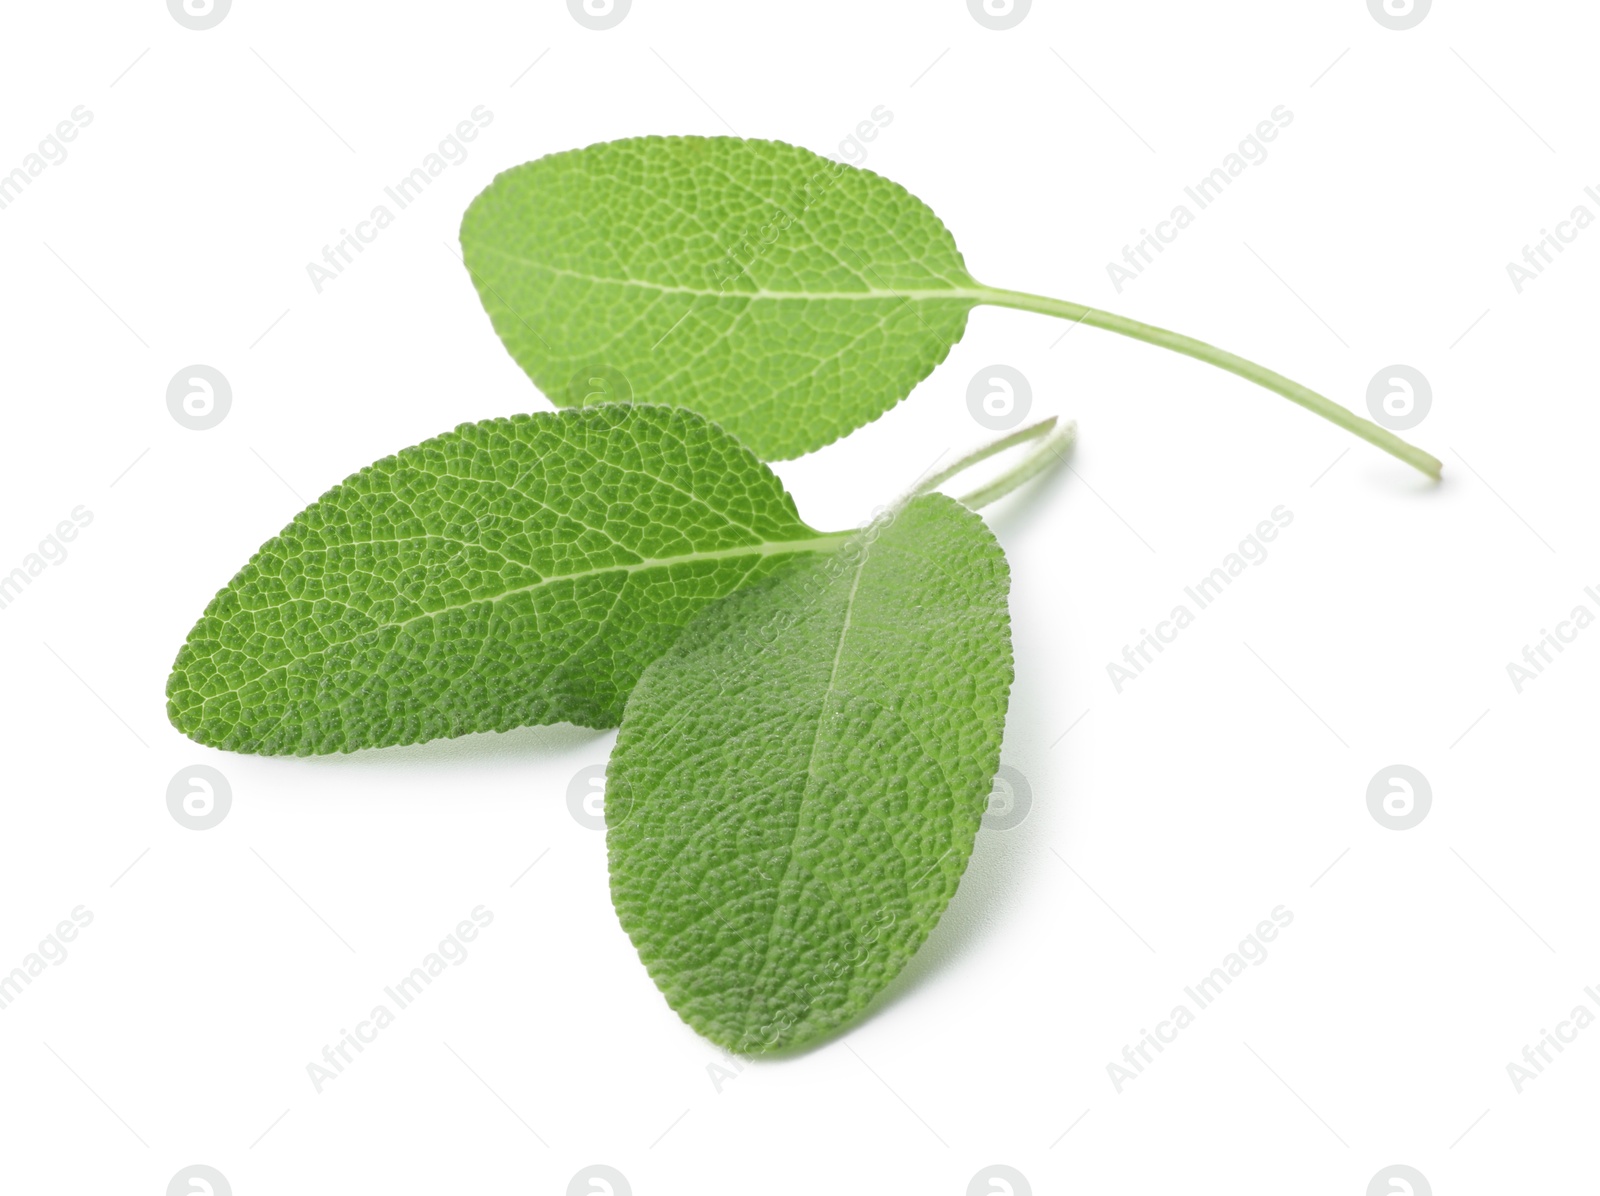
(788, 297)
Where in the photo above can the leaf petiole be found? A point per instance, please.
(1051, 449)
(1049, 452)
(1201, 351)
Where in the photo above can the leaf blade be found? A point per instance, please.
(789, 298)
(510, 572)
(798, 782)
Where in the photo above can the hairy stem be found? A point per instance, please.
(1020, 436)
(1201, 351)
(1051, 449)
(1049, 452)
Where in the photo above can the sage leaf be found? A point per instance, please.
(798, 781)
(511, 572)
(788, 297)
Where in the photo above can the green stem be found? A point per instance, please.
(1051, 449)
(1260, 375)
(1047, 453)
(1020, 436)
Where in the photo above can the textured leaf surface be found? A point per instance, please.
(797, 784)
(511, 572)
(788, 297)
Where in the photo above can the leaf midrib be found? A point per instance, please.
(977, 294)
(808, 790)
(821, 543)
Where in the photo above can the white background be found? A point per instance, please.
(1229, 779)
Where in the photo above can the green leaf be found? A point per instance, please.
(511, 572)
(797, 783)
(788, 297)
